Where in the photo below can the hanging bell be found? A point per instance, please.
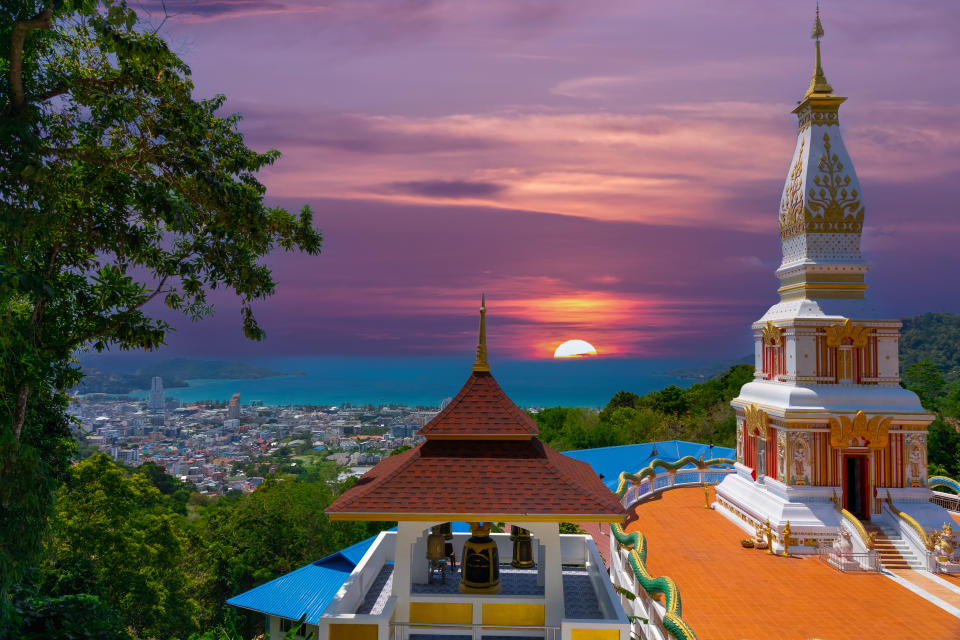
(446, 530)
(480, 567)
(522, 549)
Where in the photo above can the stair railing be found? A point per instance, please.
(920, 542)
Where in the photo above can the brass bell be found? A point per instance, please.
(522, 549)
(480, 567)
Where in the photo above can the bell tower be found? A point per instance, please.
(824, 427)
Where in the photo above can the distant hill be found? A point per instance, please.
(175, 373)
(935, 338)
(708, 371)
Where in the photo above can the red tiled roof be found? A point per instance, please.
(512, 478)
(481, 409)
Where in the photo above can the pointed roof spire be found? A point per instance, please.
(818, 84)
(481, 363)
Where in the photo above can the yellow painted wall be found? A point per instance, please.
(594, 634)
(441, 612)
(353, 632)
(513, 614)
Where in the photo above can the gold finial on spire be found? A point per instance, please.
(481, 363)
(819, 82)
(817, 26)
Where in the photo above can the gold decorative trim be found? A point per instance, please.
(831, 208)
(839, 333)
(473, 517)
(772, 335)
(756, 421)
(875, 430)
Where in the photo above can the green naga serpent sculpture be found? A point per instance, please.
(627, 479)
(637, 544)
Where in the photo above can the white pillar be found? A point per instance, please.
(407, 534)
(549, 535)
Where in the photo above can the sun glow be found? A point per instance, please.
(575, 349)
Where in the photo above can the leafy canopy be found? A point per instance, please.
(118, 188)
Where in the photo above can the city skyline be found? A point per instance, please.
(613, 178)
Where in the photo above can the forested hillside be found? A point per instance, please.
(933, 338)
(700, 413)
(134, 553)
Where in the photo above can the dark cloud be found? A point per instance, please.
(206, 8)
(446, 188)
(278, 127)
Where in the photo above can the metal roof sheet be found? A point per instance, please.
(310, 589)
(609, 462)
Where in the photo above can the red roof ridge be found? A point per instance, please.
(481, 409)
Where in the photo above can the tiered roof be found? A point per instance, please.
(481, 461)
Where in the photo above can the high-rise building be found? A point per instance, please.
(157, 402)
(156, 394)
(233, 409)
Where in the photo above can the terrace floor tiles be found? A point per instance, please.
(729, 592)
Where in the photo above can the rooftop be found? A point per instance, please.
(480, 410)
(452, 479)
(736, 593)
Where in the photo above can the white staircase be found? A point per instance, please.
(894, 551)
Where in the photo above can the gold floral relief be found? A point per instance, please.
(873, 433)
(791, 206)
(832, 205)
(756, 422)
(772, 336)
(839, 333)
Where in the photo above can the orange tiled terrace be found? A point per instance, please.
(734, 593)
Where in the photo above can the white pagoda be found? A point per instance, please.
(825, 426)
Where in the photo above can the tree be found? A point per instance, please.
(115, 537)
(119, 192)
(925, 379)
(119, 189)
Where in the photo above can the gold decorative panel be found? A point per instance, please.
(772, 336)
(756, 422)
(839, 333)
(860, 431)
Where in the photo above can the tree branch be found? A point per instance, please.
(43, 20)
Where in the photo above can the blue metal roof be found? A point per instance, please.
(609, 462)
(310, 589)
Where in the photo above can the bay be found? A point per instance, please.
(427, 381)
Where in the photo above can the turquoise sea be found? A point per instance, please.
(428, 380)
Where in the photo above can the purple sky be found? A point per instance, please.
(609, 171)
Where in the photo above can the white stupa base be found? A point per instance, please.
(809, 510)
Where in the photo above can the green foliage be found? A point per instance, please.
(571, 527)
(932, 337)
(73, 617)
(118, 188)
(924, 379)
(117, 537)
(701, 413)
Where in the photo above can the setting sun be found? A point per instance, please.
(574, 349)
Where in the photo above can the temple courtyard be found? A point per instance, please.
(729, 592)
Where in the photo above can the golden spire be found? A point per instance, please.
(481, 363)
(819, 82)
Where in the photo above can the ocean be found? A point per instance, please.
(427, 381)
